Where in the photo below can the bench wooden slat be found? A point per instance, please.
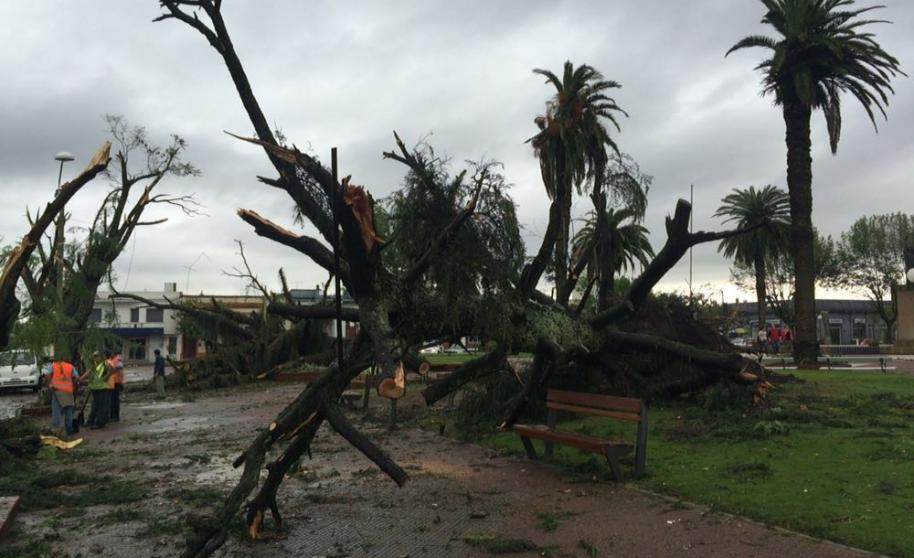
(592, 411)
(573, 439)
(605, 402)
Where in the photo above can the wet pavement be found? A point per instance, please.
(11, 400)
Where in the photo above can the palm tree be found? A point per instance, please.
(821, 53)
(628, 243)
(767, 210)
(571, 146)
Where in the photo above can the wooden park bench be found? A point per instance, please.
(617, 408)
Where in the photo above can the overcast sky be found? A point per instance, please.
(347, 74)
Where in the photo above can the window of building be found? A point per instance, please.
(95, 316)
(134, 315)
(154, 315)
(172, 345)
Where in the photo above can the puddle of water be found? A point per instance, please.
(176, 424)
(160, 406)
(218, 470)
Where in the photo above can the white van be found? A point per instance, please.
(19, 369)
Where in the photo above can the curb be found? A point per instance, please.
(8, 507)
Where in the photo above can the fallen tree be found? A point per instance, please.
(442, 259)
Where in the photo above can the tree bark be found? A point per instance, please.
(560, 254)
(799, 185)
(760, 294)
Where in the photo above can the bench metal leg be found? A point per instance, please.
(615, 466)
(641, 446)
(550, 423)
(528, 445)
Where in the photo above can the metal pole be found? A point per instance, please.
(336, 259)
(60, 237)
(691, 217)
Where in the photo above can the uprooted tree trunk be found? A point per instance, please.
(18, 262)
(393, 321)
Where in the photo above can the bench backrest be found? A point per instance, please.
(619, 408)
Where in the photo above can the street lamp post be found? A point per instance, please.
(59, 239)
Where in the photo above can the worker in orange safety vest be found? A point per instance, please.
(62, 378)
(117, 381)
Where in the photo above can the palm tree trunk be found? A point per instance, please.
(760, 294)
(605, 258)
(799, 185)
(560, 262)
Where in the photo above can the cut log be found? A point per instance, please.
(394, 388)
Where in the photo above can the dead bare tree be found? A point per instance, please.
(399, 306)
(17, 264)
(140, 168)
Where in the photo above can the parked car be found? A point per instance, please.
(19, 369)
(455, 349)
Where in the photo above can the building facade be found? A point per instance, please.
(191, 347)
(141, 327)
(311, 297)
(838, 322)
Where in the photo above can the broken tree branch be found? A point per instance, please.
(317, 312)
(678, 242)
(483, 366)
(307, 245)
(343, 427)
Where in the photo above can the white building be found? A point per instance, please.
(143, 328)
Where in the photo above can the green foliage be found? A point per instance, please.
(550, 521)
(565, 330)
(588, 548)
(821, 53)
(871, 260)
(704, 305)
(767, 208)
(477, 270)
(626, 185)
(572, 140)
(483, 404)
(628, 242)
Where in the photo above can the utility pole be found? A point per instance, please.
(60, 232)
(691, 218)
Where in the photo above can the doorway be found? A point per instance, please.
(137, 348)
(834, 334)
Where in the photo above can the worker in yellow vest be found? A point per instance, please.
(101, 396)
(61, 376)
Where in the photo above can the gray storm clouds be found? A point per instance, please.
(458, 74)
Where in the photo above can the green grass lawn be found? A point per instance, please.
(450, 358)
(832, 457)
